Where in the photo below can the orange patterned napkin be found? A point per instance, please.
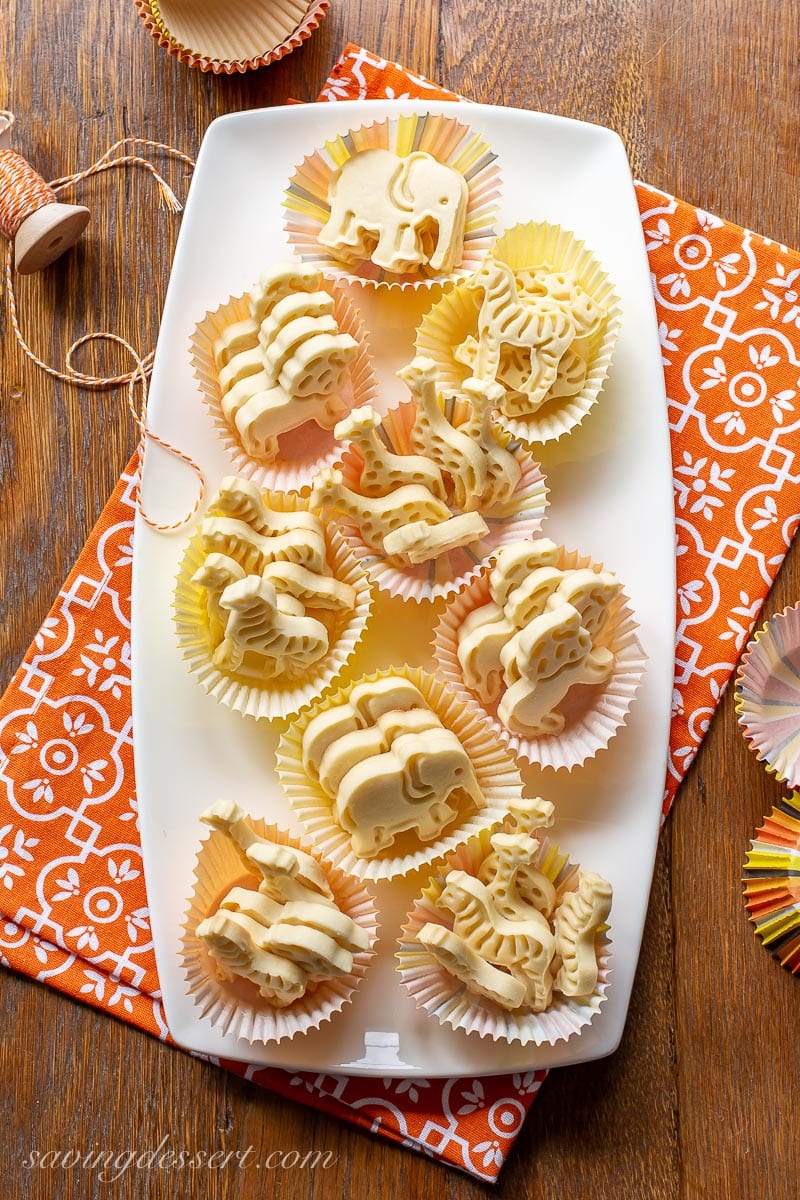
(72, 891)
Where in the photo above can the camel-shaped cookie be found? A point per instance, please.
(539, 326)
(384, 471)
(384, 208)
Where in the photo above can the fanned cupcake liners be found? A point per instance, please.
(275, 699)
(234, 1006)
(230, 38)
(445, 139)
(772, 882)
(768, 695)
(306, 449)
(446, 998)
(497, 775)
(595, 722)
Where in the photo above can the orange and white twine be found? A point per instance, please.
(22, 192)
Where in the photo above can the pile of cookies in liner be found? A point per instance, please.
(337, 502)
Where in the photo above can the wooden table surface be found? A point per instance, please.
(702, 1098)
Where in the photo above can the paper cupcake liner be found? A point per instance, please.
(515, 521)
(440, 994)
(448, 141)
(305, 450)
(589, 728)
(768, 695)
(497, 775)
(274, 699)
(231, 37)
(445, 326)
(235, 1006)
(772, 882)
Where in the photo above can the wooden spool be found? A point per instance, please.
(46, 234)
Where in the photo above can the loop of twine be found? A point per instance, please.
(143, 364)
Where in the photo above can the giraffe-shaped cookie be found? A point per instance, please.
(383, 470)
(502, 469)
(377, 516)
(434, 436)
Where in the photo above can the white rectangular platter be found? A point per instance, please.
(610, 497)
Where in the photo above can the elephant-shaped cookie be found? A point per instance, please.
(400, 213)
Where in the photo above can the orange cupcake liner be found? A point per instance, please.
(255, 37)
(234, 1006)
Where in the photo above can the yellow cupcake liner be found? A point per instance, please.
(447, 574)
(772, 882)
(445, 139)
(455, 316)
(276, 698)
(594, 714)
(234, 1006)
(307, 449)
(230, 36)
(497, 775)
(438, 993)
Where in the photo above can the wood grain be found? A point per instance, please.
(701, 1098)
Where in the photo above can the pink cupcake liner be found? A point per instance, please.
(768, 695)
(235, 1006)
(520, 518)
(447, 140)
(590, 727)
(305, 450)
(441, 995)
(264, 39)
